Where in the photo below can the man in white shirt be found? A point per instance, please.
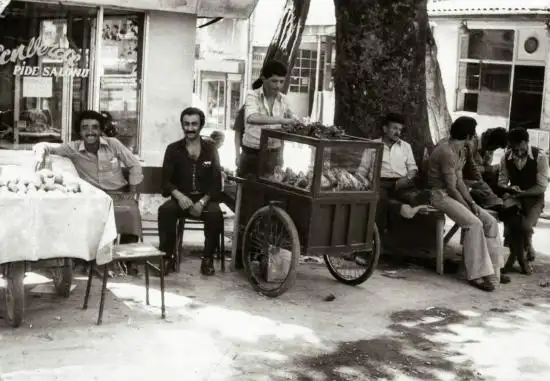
(265, 108)
(398, 172)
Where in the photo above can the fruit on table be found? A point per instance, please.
(43, 181)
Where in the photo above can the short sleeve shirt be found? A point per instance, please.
(443, 161)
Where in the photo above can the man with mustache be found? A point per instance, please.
(523, 177)
(191, 177)
(397, 174)
(99, 160)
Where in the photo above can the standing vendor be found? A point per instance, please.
(98, 160)
(265, 108)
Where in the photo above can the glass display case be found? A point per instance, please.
(320, 166)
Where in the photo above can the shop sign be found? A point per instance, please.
(50, 54)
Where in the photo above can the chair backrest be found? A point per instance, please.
(152, 181)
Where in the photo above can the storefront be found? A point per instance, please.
(57, 59)
(494, 62)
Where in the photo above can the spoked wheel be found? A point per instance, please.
(14, 294)
(63, 277)
(357, 267)
(271, 251)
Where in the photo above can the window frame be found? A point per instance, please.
(481, 62)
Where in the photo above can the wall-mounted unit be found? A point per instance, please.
(532, 46)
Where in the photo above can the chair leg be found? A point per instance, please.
(162, 306)
(146, 283)
(88, 285)
(222, 250)
(440, 246)
(103, 292)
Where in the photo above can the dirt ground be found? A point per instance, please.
(405, 323)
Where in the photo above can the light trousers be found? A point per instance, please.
(482, 246)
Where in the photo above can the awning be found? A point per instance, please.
(236, 9)
(3, 5)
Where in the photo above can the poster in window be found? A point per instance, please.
(37, 87)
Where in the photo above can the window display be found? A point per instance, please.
(44, 71)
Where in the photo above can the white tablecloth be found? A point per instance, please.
(34, 226)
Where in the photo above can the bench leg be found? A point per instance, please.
(146, 283)
(440, 246)
(222, 250)
(162, 306)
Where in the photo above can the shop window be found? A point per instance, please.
(303, 73)
(485, 72)
(44, 71)
(119, 81)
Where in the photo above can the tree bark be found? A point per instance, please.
(380, 67)
(438, 112)
(286, 41)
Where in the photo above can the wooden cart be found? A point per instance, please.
(276, 222)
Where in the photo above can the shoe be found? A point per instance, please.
(483, 284)
(207, 267)
(504, 279)
(527, 269)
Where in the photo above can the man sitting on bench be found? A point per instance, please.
(397, 174)
(448, 193)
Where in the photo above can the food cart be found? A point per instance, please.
(316, 202)
(45, 225)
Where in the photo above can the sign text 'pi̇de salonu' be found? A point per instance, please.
(50, 53)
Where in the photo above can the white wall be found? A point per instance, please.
(168, 81)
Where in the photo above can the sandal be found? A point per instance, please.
(483, 284)
(527, 269)
(207, 267)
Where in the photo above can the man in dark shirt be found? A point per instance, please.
(191, 177)
(523, 177)
(448, 192)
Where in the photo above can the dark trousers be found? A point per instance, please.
(170, 212)
(249, 162)
(520, 223)
(391, 200)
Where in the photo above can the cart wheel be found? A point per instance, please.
(364, 263)
(14, 274)
(271, 251)
(63, 278)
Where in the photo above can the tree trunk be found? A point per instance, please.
(438, 112)
(380, 67)
(286, 41)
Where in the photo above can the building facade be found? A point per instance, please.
(135, 60)
(494, 62)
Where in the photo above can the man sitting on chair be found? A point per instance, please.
(191, 177)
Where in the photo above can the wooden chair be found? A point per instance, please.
(133, 252)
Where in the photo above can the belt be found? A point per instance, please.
(389, 179)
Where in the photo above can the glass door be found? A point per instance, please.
(49, 77)
(214, 93)
(120, 74)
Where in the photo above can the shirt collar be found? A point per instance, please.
(509, 154)
(261, 94)
(102, 142)
(382, 141)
